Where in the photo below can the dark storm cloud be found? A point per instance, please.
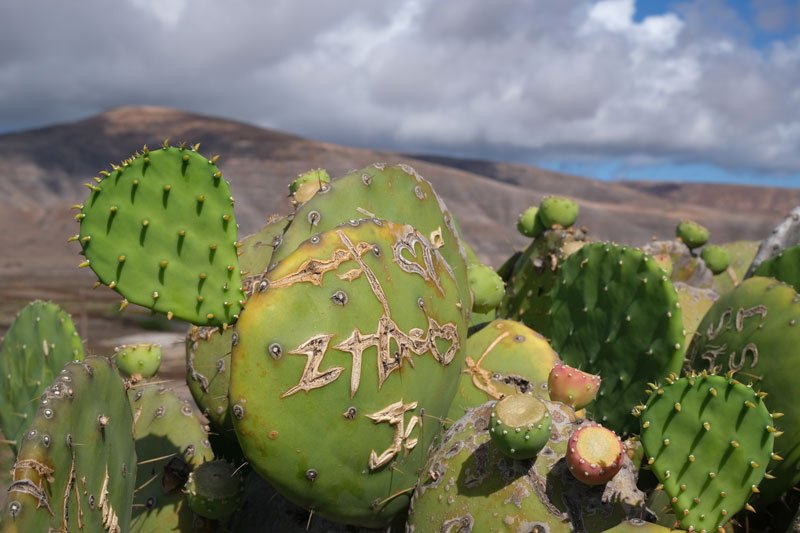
(506, 78)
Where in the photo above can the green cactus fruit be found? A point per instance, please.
(486, 286)
(505, 357)
(138, 360)
(170, 441)
(307, 184)
(716, 258)
(396, 193)
(37, 345)
(470, 485)
(160, 230)
(520, 426)
(708, 440)
(529, 224)
(255, 253)
(571, 386)
(75, 470)
(215, 490)
(555, 211)
(368, 357)
(635, 525)
(753, 331)
(692, 234)
(594, 454)
(785, 267)
(615, 313)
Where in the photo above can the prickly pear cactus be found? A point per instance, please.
(208, 366)
(40, 341)
(785, 267)
(716, 258)
(558, 211)
(505, 357)
(215, 489)
(708, 439)
(487, 287)
(255, 253)
(138, 360)
(520, 425)
(76, 468)
(783, 236)
(572, 386)
(754, 331)
(529, 224)
(345, 360)
(616, 314)
(469, 485)
(160, 230)
(691, 233)
(170, 442)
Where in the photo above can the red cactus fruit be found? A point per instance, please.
(572, 386)
(594, 454)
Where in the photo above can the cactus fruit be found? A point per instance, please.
(215, 490)
(170, 441)
(372, 367)
(594, 454)
(785, 267)
(486, 286)
(615, 313)
(741, 254)
(138, 360)
(520, 425)
(308, 184)
(754, 331)
(555, 211)
(160, 230)
(716, 258)
(529, 224)
(571, 386)
(76, 467)
(40, 341)
(505, 357)
(692, 234)
(708, 439)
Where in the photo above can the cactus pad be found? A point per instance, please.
(142, 360)
(368, 358)
(40, 341)
(215, 490)
(520, 425)
(785, 267)
(307, 184)
(160, 230)
(255, 253)
(76, 468)
(616, 314)
(708, 439)
(594, 454)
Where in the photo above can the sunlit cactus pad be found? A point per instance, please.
(160, 230)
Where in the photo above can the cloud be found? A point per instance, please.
(530, 80)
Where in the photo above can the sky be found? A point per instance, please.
(692, 90)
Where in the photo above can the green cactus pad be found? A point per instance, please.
(557, 211)
(691, 233)
(615, 313)
(336, 401)
(76, 468)
(170, 441)
(141, 360)
(784, 267)
(638, 526)
(160, 230)
(529, 224)
(208, 365)
(505, 357)
(215, 490)
(708, 439)
(37, 345)
(716, 258)
(520, 426)
(695, 303)
(486, 286)
(754, 330)
(255, 254)
(308, 184)
(396, 193)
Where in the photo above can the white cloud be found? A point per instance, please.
(533, 79)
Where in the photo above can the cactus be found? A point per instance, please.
(741, 254)
(255, 253)
(783, 236)
(372, 371)
(638, 526)
(170, 442)
(753, 331)
(716, 258)
(520, 425)
(695, 303)
(215, 490)
(555, 211)
(160, 230)
(785, 267)
(138, 360)
(572, 386)
(529, 224)
(503, 358)
(708, 439)
(692, 234)
(616, 314)
(486, 286)
(594, 454)
(75, 470)
(40, 341)
(680, 264)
